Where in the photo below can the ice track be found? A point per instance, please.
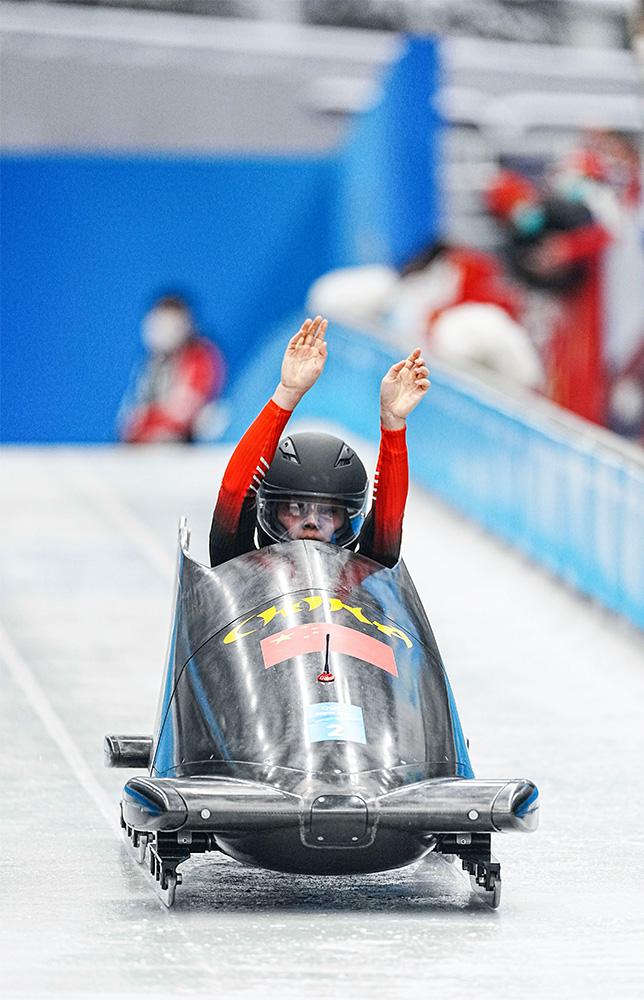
(548, 686)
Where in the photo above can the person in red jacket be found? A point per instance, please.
(577, 242)
(314, 486)
(555, 247)
(182, 373)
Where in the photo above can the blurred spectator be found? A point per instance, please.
(578, 242)
(531, 220)
(457, 298)
(553, 247)
(182, 373)
(604, 173)
(486, 336)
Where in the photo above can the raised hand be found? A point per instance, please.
(402, 389)
(303, 362)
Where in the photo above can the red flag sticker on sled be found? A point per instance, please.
(312, 639)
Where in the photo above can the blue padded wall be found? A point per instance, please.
(89, 240)
(388, 203)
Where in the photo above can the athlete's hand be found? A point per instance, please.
(402, 389)
(303, 362)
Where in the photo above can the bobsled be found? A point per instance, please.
(306, 724)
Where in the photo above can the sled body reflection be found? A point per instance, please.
(306, 724)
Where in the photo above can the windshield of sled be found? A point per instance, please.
(314, 659)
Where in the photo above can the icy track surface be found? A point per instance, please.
(548, 687)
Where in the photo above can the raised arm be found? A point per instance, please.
(233, 520)
(401, 390)
(302, 364)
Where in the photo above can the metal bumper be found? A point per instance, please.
(218, 805)
(456, 805)
(225, 805)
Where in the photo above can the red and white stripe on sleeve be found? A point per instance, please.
(248, 464)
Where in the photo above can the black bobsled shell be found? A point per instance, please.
(241, 695)
(306, 724)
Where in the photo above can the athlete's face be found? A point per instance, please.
(310, 520)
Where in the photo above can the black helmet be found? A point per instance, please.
(317, 471)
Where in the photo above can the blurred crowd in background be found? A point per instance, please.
(536, 272)
(559, 310)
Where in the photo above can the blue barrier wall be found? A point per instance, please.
(570, 503)
(88, 241)
(388, 204)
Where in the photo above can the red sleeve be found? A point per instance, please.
(248, 464)
(390, 486)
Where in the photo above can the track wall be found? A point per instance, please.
(90, 239)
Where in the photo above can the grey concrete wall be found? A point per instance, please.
(88, 78)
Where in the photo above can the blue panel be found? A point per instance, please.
(215, 730)
(88, 243)
(332, 720)
(163, 758)
(389, 193)
(463, 763)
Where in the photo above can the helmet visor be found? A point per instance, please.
(318, 518)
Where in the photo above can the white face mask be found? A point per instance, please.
(164, 330)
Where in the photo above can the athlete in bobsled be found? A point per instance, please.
(313, 485)
(306, 723)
